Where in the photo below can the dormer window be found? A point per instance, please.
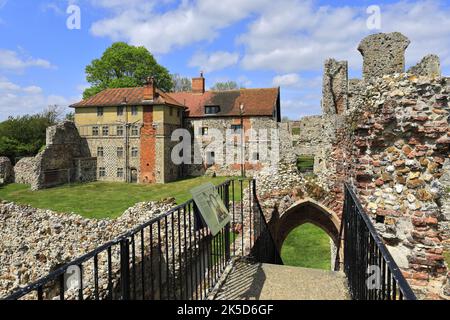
(212, 109)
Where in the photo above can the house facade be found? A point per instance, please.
(130, 130)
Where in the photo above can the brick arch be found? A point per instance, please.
(305, 211)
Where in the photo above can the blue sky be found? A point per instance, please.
(262, 43)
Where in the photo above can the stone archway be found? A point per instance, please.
(305, 211)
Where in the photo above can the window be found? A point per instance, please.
(212, 109)
(134, 130)
(120, 152)
(119, 111)
(105, 131)
(204, 131)
(171, 111)
(120, 130)
(134, 152)
(119, 172)
(100, 152)
(95, 131)
(178, 113)
(102, 172)
(236, 128)
(256, 156)
(134, 111)
(99, 111)
(211, 158)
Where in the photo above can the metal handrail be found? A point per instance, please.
(392, 267)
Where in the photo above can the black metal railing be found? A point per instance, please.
(371, 271)
(173, 256)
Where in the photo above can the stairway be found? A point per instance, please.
(256, 281)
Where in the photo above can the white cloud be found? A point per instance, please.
(215, 61)
(17, 100)
(10, 60)
(298, 35)
(287, 80)
(141, 24)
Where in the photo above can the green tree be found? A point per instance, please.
(122, 65)
(25, 136)
(226, 86)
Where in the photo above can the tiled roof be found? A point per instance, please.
(257, 102)
(132, 96)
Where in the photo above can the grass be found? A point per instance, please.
(102, 200)
(305, 163)
(447, 257)
(296, 131)
(307, 246)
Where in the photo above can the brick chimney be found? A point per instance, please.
(149, 89)
(198, 84)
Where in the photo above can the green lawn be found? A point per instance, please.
(307, 246)
(305, 163)
(104, 199)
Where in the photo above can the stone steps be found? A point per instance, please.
(255, 281)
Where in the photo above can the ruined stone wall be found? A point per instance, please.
(56, 164)
(383, 54)
(6, 170)
(335, 87)
(399, 141)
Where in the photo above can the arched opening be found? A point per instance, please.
(307, 246)
(305, 225)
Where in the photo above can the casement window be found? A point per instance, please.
(236, 128)
(134, 130)
(134, 152)
(171, 111)
(178, 113)
(95, 131)
(212, 109)
(102, 172)
(120, 152)
(100, 111)
(119, 172)
(134, 111)
(120, 111)
(100, 152)
(204, 131)
(105, 131)
(119, 131)
(256, 156)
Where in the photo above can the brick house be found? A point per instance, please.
(129, 130)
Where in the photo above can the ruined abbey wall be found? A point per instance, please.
(388, 135)
(65, 159)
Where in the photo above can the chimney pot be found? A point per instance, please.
(198, 84)
(149, 89)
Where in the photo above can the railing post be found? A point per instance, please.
(125, 268)
(226, 199)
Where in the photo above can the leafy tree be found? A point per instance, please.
(226, 86)
(122, 65)
(25, 136)
(181, 84)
